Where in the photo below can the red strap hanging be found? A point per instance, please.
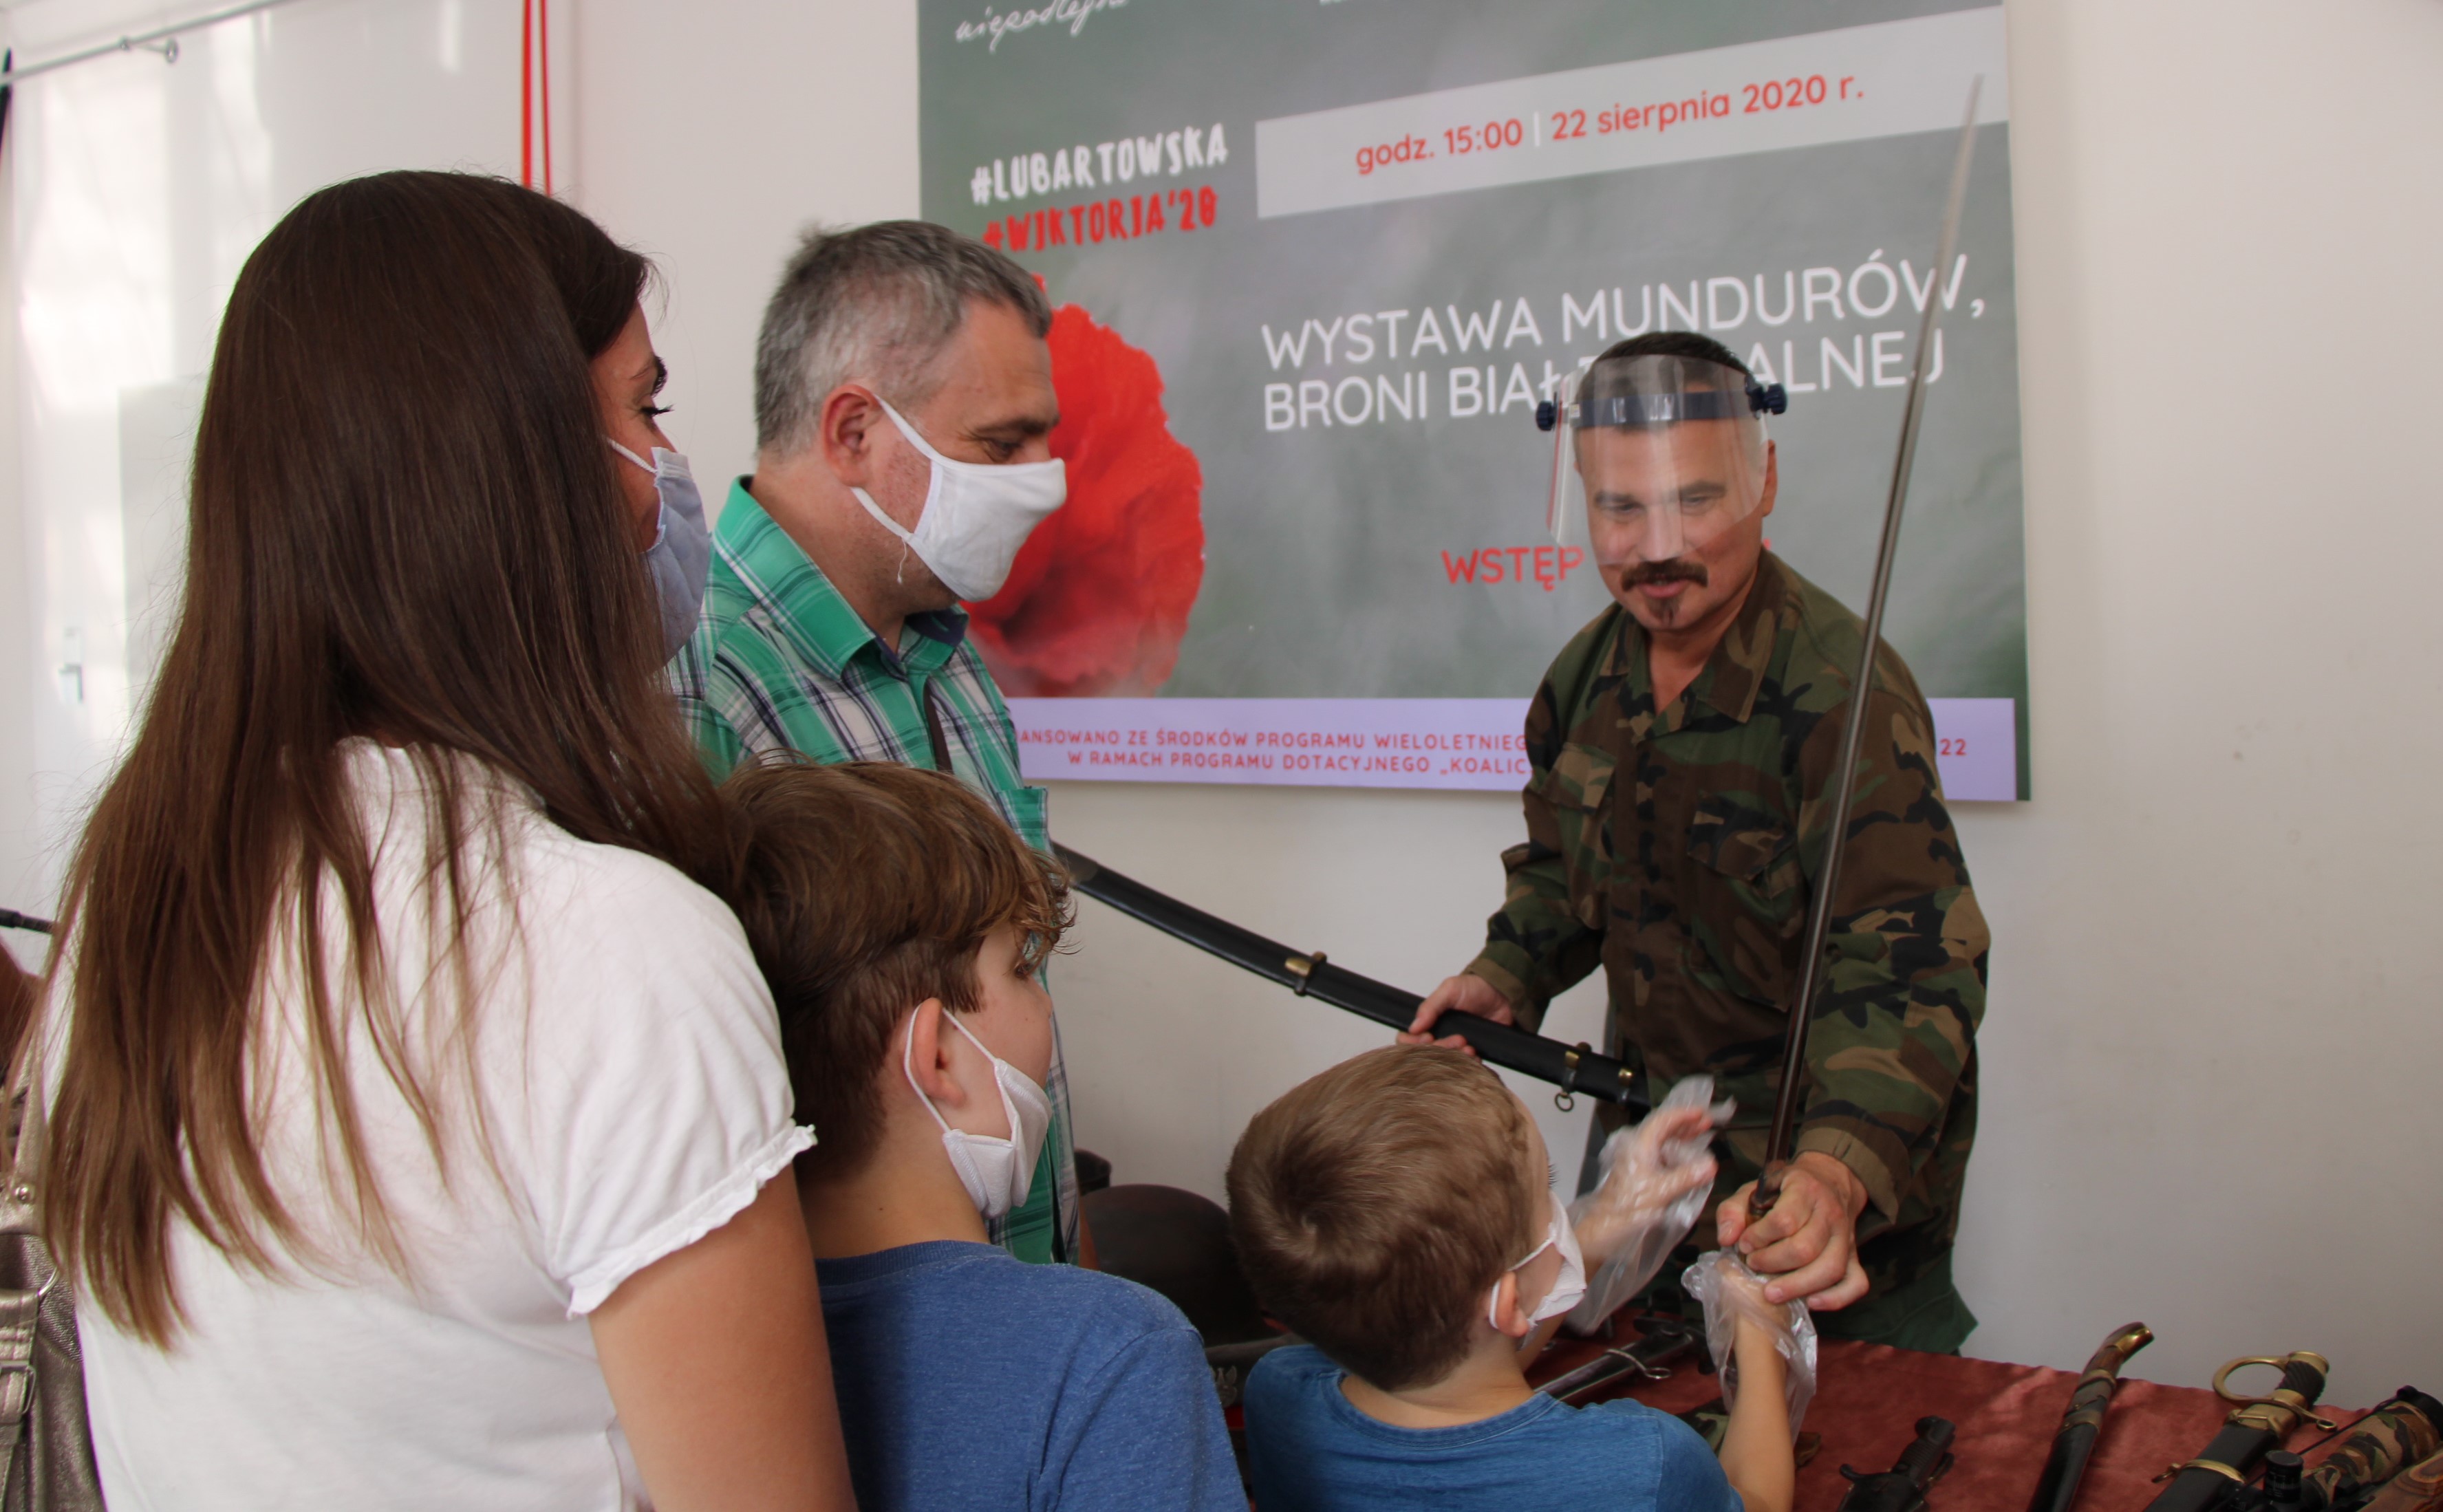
(534, 74)
(543, 38)
(526, 99)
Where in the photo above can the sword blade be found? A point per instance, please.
(1844, 770)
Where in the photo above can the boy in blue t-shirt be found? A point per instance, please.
(1394, 1211)
(901, 925)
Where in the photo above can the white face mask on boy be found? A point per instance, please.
(976, 515)
(997, 1173)
(1567, 1287)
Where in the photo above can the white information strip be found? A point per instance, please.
(1466, 743)
(1886, 79)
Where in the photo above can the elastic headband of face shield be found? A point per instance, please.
(1655, 393)
(1655, 388)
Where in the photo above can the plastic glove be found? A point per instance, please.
(1656, 1177)
(1730, 1291)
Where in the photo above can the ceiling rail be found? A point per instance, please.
(163, 40)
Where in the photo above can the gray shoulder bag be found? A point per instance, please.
(45, 1443)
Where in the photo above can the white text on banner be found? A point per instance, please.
(1889, 79)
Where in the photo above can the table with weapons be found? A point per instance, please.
(1894, 1431)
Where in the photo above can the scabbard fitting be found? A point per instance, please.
(1566, 1099)
(1303, 968)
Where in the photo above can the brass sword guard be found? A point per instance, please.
(2253, 1409)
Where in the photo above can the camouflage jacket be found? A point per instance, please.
(1677, 848)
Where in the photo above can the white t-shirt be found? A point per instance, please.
(628, 1064)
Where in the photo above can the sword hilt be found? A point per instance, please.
(1766, 1190)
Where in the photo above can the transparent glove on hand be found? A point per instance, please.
(1730, 1291)
(1657, 1175)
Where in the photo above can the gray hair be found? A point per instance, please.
(878, 303)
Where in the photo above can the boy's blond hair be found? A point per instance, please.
(1374, 1205)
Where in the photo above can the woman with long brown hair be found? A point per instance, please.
(413, 1115)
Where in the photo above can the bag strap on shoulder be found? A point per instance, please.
(20, 1306)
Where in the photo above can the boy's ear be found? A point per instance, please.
(1507, 1316)
(927, 1058)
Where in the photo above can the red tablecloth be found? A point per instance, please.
(1868, 1398)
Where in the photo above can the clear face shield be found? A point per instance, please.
(1660, 455)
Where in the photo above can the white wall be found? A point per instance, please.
(135, 188)
(2212, 1034)
(710, 145)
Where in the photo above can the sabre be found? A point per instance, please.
(1844, 770)
(2402, 1431)
(1660, 1341)
(1573, 1068)
(2255, 1428)
(2057, 1489)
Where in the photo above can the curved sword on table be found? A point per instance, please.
(2057, 1489)
(1844, 770)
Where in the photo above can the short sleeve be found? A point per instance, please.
(1687, 1477)
(1144, 1431)
(655, 1100)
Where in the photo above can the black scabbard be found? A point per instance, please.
(1661, 1340)
(1571, 1068)
(2247, 1435)
(2057, 1489)
(1903, 1488)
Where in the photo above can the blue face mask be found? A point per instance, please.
(682, 551)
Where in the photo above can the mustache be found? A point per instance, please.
(1675, 569)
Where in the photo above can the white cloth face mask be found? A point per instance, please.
(976, 514)
(997, 1173)
(680, 553)
(1567, 1287)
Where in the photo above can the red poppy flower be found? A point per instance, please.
(1097, 600)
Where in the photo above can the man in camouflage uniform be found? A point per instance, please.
(1680, 748)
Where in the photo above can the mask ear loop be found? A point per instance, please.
(1552, 1240)
(906, 544)
(908, 1069)
(1008, 1108)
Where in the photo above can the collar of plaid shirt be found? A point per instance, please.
(780, 661)
(815, 617)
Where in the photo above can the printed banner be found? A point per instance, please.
(1383, 741)
(1314, 262)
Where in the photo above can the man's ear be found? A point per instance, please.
(845, 432)
(928, 1058)
(1772, 478)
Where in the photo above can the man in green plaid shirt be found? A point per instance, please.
(827, 630)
